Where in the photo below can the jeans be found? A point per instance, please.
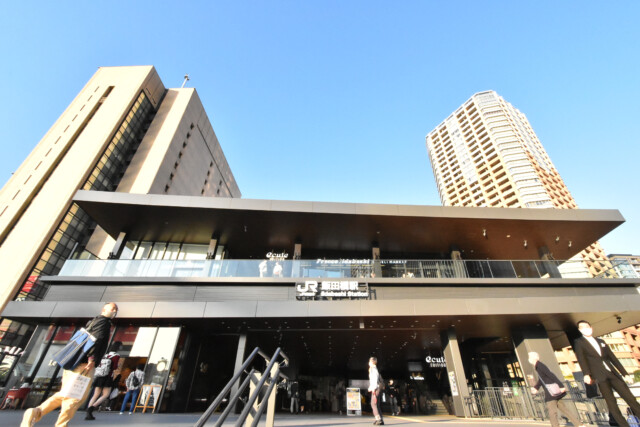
(130, 394)
(394, 404)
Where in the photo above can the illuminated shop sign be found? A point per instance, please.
(436, 362)
(360, 261)
(279, 256)
(313, 289)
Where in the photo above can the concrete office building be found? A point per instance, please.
(124, 132)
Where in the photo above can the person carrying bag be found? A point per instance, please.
(554, 391)
(77, 360)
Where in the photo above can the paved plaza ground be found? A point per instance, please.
(13, 418)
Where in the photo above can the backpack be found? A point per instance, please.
(135, 381)
(104, 368)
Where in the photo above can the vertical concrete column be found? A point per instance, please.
(252, 388)
(455, 371)
(297, 255)
(458, 263)
(271, 404)
(211, 250)
(118, 246)
(375, 256)
(548, 265)
(240, 352)
(534, 338)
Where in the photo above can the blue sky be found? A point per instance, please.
(331, 100)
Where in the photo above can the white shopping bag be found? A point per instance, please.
(75, 386)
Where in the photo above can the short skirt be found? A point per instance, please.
(103, 382)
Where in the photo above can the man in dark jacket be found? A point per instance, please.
(100, 328)
(554, 401)
(598, 363)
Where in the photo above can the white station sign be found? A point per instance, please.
(313, 289)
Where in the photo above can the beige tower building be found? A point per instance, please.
(124, 132)
(487, 154)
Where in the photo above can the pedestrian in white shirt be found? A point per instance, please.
(375, 388)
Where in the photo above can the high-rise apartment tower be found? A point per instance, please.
(487, 154)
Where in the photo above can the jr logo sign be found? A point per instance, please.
(307, 289)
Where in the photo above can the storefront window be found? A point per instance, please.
(128, 250)
(36, 347)
(48, 377)
(160, 364)
(143, 250)
(193, 252)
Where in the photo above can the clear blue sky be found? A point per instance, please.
(331, 100)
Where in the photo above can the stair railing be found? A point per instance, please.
(271, 374)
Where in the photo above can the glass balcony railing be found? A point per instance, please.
(344, 268)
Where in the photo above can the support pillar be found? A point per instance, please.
(455, 371)
(297, 255)
(458, 264)
(548, 266)
(119, 245)
(271, 404)
(252, 389)
(534, 338)
(242, 347)
(211, 250)
(375, 256)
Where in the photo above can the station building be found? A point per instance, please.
(449, 299)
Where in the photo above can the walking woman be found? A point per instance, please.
(103, 381)
(554, 391)
(375, 382)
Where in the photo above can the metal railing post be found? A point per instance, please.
(210, 410)
(233, 400)
(254, 396)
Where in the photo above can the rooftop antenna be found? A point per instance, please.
(186, 79)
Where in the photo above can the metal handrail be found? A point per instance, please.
(265, 400)
(252, 399)
(236, 397)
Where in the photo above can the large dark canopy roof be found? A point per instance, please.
(253, 226)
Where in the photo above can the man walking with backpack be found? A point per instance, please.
(133, 383)
(99, 329)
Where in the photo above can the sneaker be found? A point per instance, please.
(130, 413)
(121, 413)
(30, 417)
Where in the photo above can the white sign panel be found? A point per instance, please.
(313, 289)
(453, 384)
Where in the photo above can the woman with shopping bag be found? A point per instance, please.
(78, 360)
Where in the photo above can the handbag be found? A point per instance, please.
(70, 356)
(592, 390)
(553, 389)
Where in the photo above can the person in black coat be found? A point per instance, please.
(100, 328)
(599, 364)
(554, 402)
